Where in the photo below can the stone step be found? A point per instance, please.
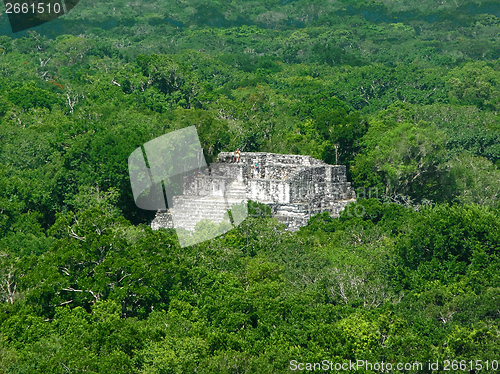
(188, 211)
(240, 194)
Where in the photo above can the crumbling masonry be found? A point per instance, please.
(294, 187)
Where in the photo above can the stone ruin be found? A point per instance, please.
(294, 187)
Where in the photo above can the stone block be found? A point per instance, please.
(295, 187)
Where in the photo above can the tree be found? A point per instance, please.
(29, 96)
(9, 277)
(474, 180)
(170, 78)
(441, 242)
(404, 157)
(475, 84)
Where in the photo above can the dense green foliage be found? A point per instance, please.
(409, 91)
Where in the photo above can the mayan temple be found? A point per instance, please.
(294, 187)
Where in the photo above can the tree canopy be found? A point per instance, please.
(405, 94)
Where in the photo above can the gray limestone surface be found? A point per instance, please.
(295, 187)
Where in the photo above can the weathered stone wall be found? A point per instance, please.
(163, 219)
(340, 191)
(338, 173)
(204, 186)
(269, 158)
(268, 191)
(306, 183)
(297, 215)
(295, 187)
(238, 171)
(293, 159)
(277, 171)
